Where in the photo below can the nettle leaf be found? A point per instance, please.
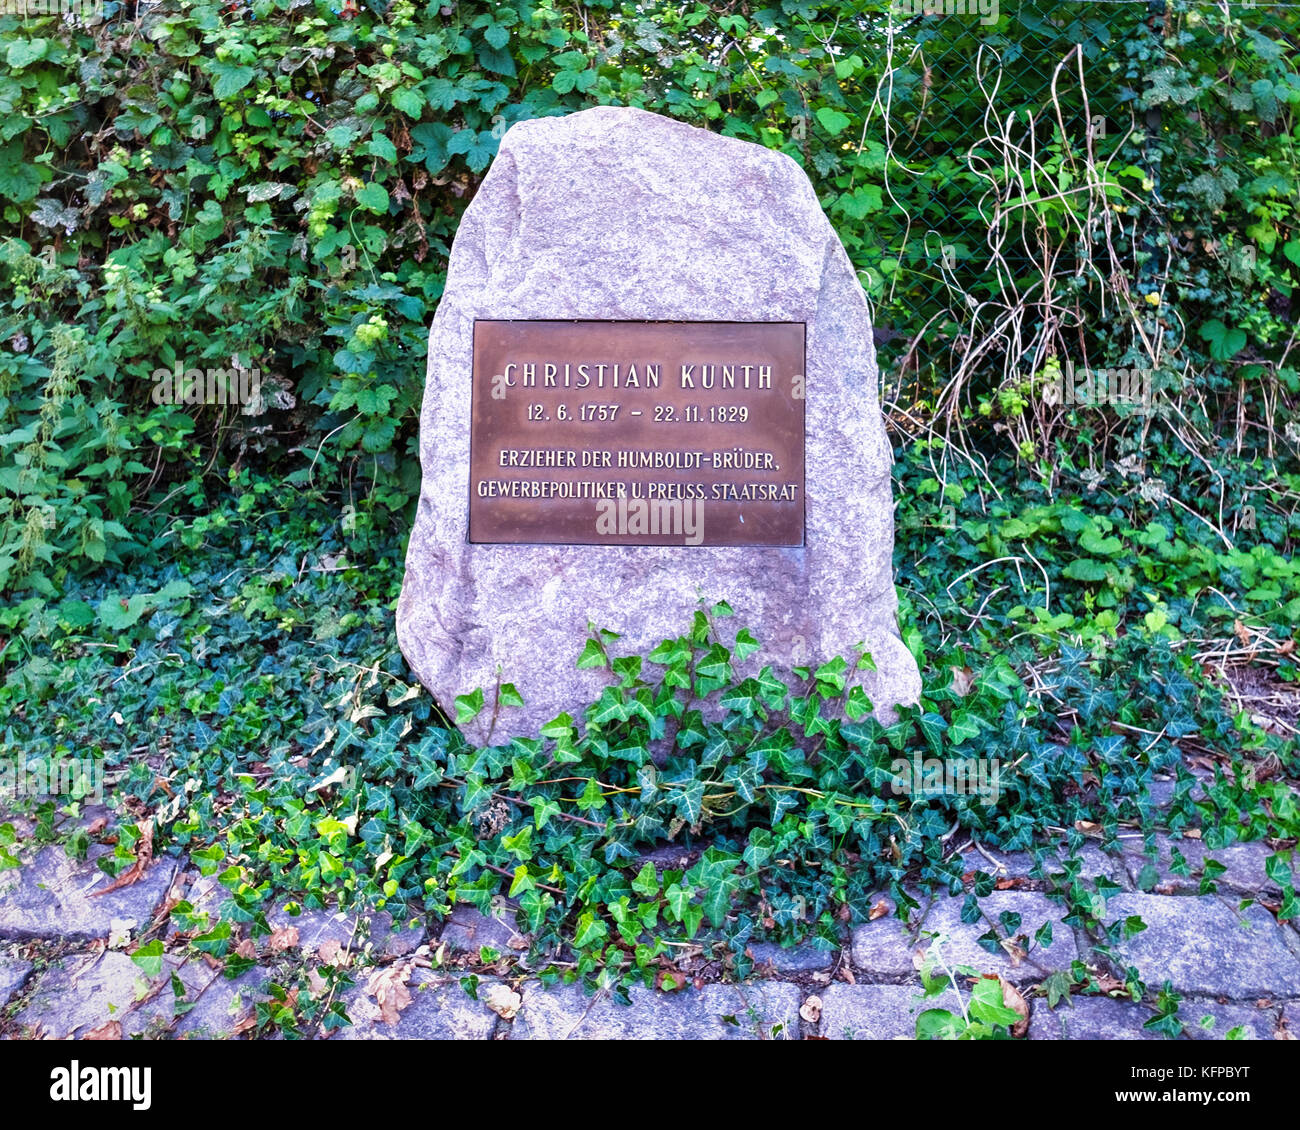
(410, 101)
(229, 78)
(118, 613)
(1086, 569)
(1225, 342)
(833, 121)
(374, 198)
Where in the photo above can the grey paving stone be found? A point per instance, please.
(1244, 862)
(51, 897)
(13, 975)
(316, 927)
(1162, 792)
(876, 1012)
(217, 1003)
(749, 1011)
(204, 894)
(1257, 1023)
(1291, 1019)
(396, 943)
(466, 930)
(1090, 1018)
(439, 1010)
(1019, 864)
(883, 948)
(87, 991)
(796, 959)
(1204, 945)
(1108, 1018)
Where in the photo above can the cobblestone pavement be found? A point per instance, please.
(65, 969)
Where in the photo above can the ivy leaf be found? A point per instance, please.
(746, 644)
(592, 656)
(590, 929)
(149, 957)
(646, 883)
(469, 706)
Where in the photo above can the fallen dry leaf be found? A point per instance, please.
(119, 932)
(669, 980)
(388, 989)
(878, 911)
(283, 938)
(963, 678)
(143, 857)
(331, 952)
(315, 982)
(502, 1000)
(1013, 1000)
(811, 1009)
(248, 1021)
(246, 949)
(111, 1030)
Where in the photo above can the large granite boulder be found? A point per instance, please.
(615, 213)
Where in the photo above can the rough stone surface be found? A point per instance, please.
(751, 1011)
(1020, 864)
(1090, 1018)
(796, 959)
(884, 947)
(1205, 945)
(316, 927)
(13, 975)
(614, 213)
(82, 993)
(466, 930)
(1291, 1019)
(219, 1003)
(1106, 1018)
(1256, 1023)
(1244, 862)
(395, 942)
(52, 897)
(439, 1010)
(876, 1012)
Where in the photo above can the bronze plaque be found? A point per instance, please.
(637, 433)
